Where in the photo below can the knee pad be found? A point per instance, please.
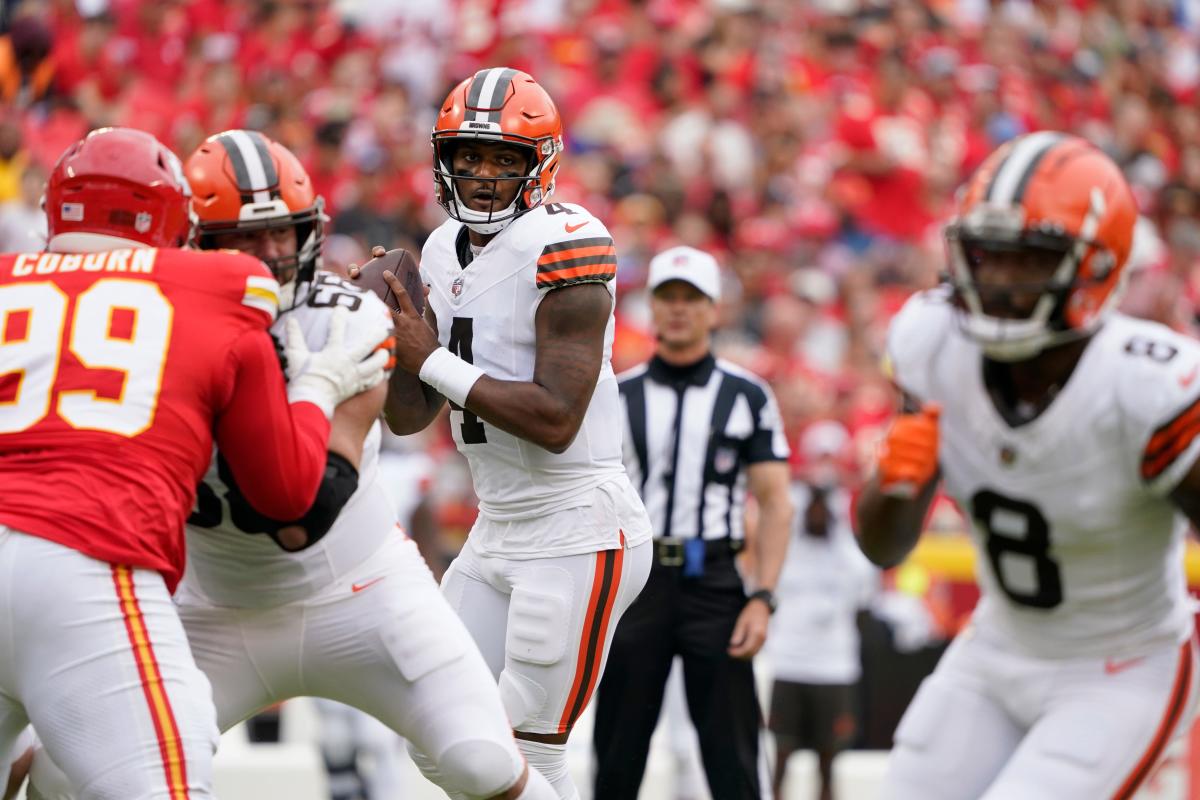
(522, 697)
(479, 768)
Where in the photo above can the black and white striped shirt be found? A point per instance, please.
(690, 434)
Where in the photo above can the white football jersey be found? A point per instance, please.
(229, 559)
(1080, 551)
(485, 315)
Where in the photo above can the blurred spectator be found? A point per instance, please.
(814, 644)
(26, 68)
(22, 221)
(12, 159)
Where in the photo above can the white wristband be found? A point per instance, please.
(450, 375)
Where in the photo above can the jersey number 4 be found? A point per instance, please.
(1018, 544)
(462, 331)
(117, 324)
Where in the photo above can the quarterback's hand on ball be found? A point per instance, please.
(339, 370)
(908, 456)
(415, 340)
(378, 251)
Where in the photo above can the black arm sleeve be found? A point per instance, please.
(339, 483)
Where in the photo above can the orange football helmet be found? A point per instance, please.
(243, 181)
(1049, 195)
(498, 104)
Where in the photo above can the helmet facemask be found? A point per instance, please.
(290, 271)
(1014, 283)
(529, 180)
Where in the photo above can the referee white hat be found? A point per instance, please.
(689, 265)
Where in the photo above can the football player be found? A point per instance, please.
(518, 340)
(1067, 432)
(121, 360)
(357, 616)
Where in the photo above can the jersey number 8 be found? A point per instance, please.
(1017, 532)
(32, 318)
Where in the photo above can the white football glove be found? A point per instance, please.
(337, 371)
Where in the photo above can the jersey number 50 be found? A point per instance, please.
(1018, 537)
(32, 318)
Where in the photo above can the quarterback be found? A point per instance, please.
(1067, 432)
(519, 335)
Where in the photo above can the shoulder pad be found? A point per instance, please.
(569, 245)
(1158, 389)
(914, 337)
(248, 279)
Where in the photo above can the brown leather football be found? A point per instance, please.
(401, 264)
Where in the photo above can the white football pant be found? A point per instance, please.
(995, 724)
(93, 655)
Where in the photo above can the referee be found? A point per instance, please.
(700, 432)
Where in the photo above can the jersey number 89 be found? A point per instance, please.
(32, 319)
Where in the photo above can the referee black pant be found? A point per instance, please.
(692, 618)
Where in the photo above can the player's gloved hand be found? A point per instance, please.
(339, 370)
(908, 456)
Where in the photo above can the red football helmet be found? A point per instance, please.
(116, 187)
(500, 105)
(1051, 197)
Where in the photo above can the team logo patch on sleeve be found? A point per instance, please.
(577, 261)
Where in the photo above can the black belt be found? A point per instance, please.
(669, 550)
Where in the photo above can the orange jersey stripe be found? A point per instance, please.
(1175, 706)
(1153, 464)
(170, 744)
(577, 272)
(1169, 432)
(605, 579)
(549, 259)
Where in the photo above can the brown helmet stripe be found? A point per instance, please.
(489, 88)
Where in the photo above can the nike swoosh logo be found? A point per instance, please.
(1113, 667)
(1186, 380)
(572, 228)
(358, 587)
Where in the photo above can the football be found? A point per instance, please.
(401, 264)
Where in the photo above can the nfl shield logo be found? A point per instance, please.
(724, 460)
(456, 287)
(141, 223)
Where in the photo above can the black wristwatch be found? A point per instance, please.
(767, 596)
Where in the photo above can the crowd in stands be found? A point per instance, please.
(814, 146)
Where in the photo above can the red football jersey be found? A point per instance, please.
(116, 371)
